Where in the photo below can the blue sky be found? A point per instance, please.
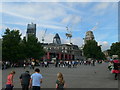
(55, 16)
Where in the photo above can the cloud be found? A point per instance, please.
(31, 0)
(76, 19)
(55, 17)
(77, 41)
(34, 11)
(71, 19)
(60, 0)
(105, 45)
(0, 7)
(15, 23)
(17, 15)
(67, 19)
(101, 8)
(70, 7)
(2, 27)
(100, 36)
(90, 0)
(53, 27)
(51, 10)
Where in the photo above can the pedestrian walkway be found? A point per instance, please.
(81, 77)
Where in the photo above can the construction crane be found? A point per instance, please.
(94, 28)
(69, 34)
(43, 37)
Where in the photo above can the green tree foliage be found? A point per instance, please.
(92, 50)
(33, 47)
(115, 49)
(10, 45)
(15, 49)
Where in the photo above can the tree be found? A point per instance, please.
(92, 50)
(10, 45)
(33, 47)
(115, 49)
(22, 48)
(15, 49)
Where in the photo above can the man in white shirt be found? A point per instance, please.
(36, 80)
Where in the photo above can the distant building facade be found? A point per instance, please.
(56, 50)
(31, 30)
(89, 36)
(62, 52)
(56, 39)
(59, 51)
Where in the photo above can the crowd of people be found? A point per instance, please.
(8, 64)
(69, 64)
(33, 81)
(32, 64)
(5, 64)
(73, 63)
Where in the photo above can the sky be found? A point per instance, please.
(79, 17)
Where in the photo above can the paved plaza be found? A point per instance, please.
(81, 77)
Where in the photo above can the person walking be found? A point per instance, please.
(24, 65)
(116, 65)
(9, 83)
(24, 80)
(60, 82)
(33, 65)
(36, 80)
(45, 63)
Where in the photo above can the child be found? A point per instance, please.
(60, 83)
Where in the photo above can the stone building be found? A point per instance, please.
(59, 51)
(89, 36)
